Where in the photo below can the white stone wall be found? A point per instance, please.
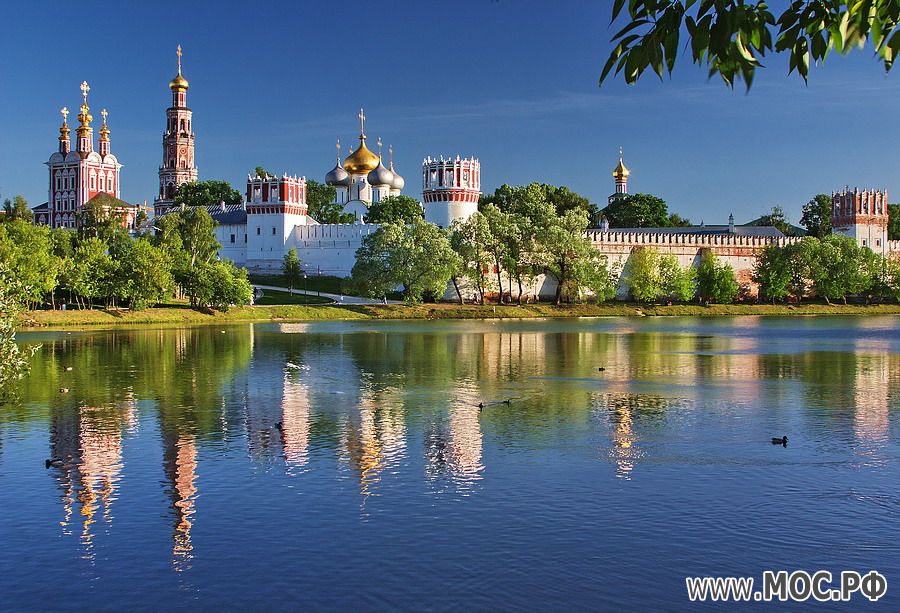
(233, 238)
(330, 249)
(268, 239)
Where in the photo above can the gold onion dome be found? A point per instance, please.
(621, 172)
(179, 82)
(362, 161)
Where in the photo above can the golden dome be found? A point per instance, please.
(362, 161)
(179, 82)
(621, 172)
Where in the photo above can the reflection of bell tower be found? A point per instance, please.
(180, 465)
(178, 145)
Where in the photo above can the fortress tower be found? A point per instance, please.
(862, 215)
(450, 189)
(275, 206)
(178, 145)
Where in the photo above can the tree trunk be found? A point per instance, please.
(499, 284)
(458, 293)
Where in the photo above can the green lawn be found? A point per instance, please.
(313, 283)
(273, 297)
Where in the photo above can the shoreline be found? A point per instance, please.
(301, 313)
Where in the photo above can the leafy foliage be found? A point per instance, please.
(642, 275)
(207, 193)
(394, 208)
(678, 283)
(731, 37)
(13, 359)
(773, 274)
(716, 281)
(17, 208)
(638, 211)
(416, 256)
(775, 218)
(321, 206)
(468, 239)
(893, 222)
(292, 269)
(817, 216)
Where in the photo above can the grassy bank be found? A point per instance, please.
(184, 315)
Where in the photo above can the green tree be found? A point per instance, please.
(89, 276)
(677, 221)
(13, 358)
(262, 173)
(642, 274)
(467, 239)
(731, 37)
(394, 208)
(802, 259)
(292, 269)
(565, 251)
(103, 218)
(231, 286)
(777, 219)
(321, 206)
(893, 222)
(842, 267)
(415, 256)
(198, 235)
(145, 277)
(27, 251)
(563, 199)
(892, 276)
(678, 283)
(817, 216)
(772, 273)
(501, 229)
(637, 211)
(716, 281)
(207, 193)
(527, 210)
(16, 209)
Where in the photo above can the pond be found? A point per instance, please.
(349, 465)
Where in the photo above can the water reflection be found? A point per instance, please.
(393, 404)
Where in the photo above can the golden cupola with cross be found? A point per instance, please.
(362, 161)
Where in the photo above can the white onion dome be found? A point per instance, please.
(381, 176)
(337, 177)
(398, 182)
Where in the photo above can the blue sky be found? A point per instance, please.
(511, 82)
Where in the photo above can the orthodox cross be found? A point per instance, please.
(65, 113)
(104, 113)
(85, 88)
(378, 142)
(338, 150)
(179, 58)
(391, 154)
(620, 153)
(362, 121)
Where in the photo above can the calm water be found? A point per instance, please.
(386, 487)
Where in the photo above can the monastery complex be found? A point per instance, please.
(273, 217)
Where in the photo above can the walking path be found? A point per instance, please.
(338, 299)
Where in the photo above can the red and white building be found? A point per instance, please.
(861, 214)
(80, 175)
(178, 145)
(451, 189)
